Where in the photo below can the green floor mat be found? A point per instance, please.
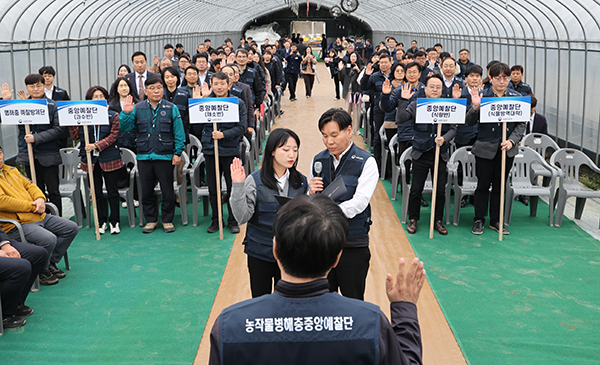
(131, 298)
(533, 298)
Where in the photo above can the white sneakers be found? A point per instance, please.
(135, 204)
(115, 229)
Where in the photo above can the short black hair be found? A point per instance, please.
(179, 45)
(185, 56)
(463, 50)
(438, 45)
(413, 64)
(383, 53)
(475, 69)
(173, 71)
(430, 49)
(241, 50)
(420, 54)
(199, 55)
(33, 79)
(445, 55)
(153, 80)
(492, 63)
(47, 70)
(338, 115)
(90, 93)
(434, 76)
(221, 76)
(169, 46)
(126, 67)
(448, 58)
(206, 40)
(138, 53)
(516, 68)
(190, 67)
(499, 69)
(310, 233)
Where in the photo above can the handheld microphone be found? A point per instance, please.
(318, 168)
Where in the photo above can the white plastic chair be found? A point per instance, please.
(570, 161)
(464, 157)
(522, 175)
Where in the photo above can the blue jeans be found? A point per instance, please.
(53, 233)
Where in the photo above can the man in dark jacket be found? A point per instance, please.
(229, 136)
(45, 140)
(140, 74)
(302, 323)
(292, 70)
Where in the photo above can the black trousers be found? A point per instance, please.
(489, 173)
(350, 274)
(111, 181)
(48, 181)
(264, 275)
(378, 119)
(336, 81)
(420, 169)
(292, 80)
(150, 172)
(211, 180)
(17, 275)
(309, 81)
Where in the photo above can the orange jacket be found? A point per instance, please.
(16, 197)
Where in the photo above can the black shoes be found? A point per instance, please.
(292, 99)
(24, 311)
(214, 227)
(58, 273)
(496, 227)
(13, 322)
(46, 278)
(477, 228)
(523, 199)
(234, 229)
(424, 203)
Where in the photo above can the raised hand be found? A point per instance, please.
(6, 92)
(197, 93)
(406, 289)
(238, 174)
(231, 58)
(456, 91)
(341, 65)
(206, 91)
(128, 104)
(155, 60)
(386, 88)
(369, 69)
(475, 98)
(22, 94)
(407, 92)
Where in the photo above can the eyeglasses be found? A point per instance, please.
(36, 86)
(501, 78)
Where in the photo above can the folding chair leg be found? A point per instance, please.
(66, 258)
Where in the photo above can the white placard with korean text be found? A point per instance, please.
(506, 109)
(214, 110)
(82, 112)
(21, 112)
(441, 111)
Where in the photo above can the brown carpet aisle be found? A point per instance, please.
(388, 240)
